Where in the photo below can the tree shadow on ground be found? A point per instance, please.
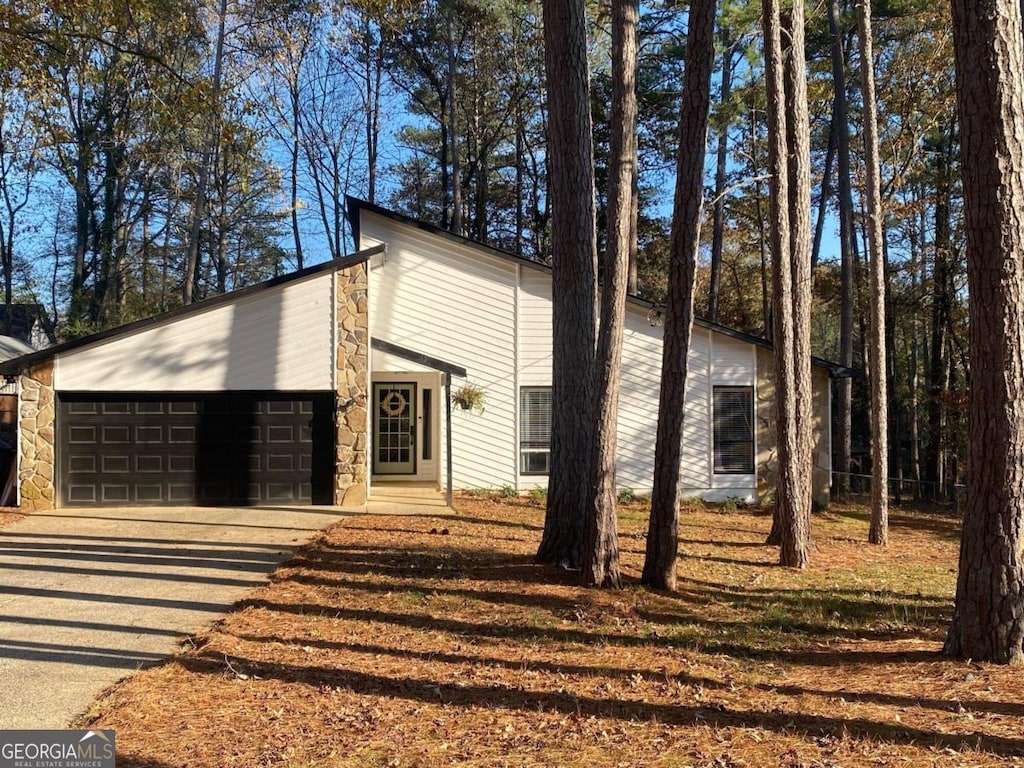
(944, 527)
(460, 573)
(398, 585)
(625, 673)
(430, 691)
(687, 609)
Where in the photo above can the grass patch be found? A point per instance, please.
(386, 642)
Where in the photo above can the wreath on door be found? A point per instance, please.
(394, 403)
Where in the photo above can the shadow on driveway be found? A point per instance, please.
(88, 595)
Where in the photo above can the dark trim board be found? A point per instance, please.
(419, 358)
(251, 448)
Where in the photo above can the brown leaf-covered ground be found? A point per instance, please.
(434, 640)
(9, 515)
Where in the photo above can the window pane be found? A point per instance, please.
(428, 424)
(534, 429)
(534, 463)
(734, 430)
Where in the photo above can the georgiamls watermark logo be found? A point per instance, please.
(57, 749)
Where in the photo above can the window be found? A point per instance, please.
(428, 421)
(734, 430)
(534, 430)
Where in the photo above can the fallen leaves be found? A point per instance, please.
(436, 640)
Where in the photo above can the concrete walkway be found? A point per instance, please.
(89, 596)
(406, 498)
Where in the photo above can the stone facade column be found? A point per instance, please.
(36, 420)
(353, 377)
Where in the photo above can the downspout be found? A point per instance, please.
(15, 488)
(828, 431)
(448, 433)
(515, 376)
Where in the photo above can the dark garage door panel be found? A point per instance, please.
(215, 449)
(121, 452)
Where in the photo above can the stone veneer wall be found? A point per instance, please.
(353, 386)
(36, 418)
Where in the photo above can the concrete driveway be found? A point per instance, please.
(89, 596)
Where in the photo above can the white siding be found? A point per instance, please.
(734, 365)
(453, 302)
(734, 361)
(638, 402)
(277, 339)
(385, 361)
(465, 306)
(534, 328)
(695, 473)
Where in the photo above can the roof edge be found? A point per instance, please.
(18, 364)
(355, 206)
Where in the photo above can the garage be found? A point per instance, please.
(251, 398)
(215, 449)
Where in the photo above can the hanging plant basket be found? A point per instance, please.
(469, 397)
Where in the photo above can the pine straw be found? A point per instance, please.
(423, 641)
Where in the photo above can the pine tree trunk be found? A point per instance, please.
(941, 302)
(296, 105)
(988, 620)
(796, 534)
(520, 197)
(453, 129)
(77, 306)
(372, 73)
(914, 374)
(879, 530)
(895, 410)
(844, 387)
(601, 538)
(826, 191)
(188, 285)
(662, 535)
(787, 141)
(573, 280)
(782, 319)
(721, 168)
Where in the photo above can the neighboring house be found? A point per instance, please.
(319, 386)
(10, 347)
(27, 323)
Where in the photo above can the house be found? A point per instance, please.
(319, 386)
(27, 323)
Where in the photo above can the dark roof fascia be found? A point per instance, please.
(838, 370)
(18, 364)
(835, 370)
(356, 206)
(419, 358)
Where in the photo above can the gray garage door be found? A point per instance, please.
(238, 448)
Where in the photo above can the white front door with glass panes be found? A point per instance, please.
(394, 429)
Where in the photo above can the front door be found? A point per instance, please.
(394, 429)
